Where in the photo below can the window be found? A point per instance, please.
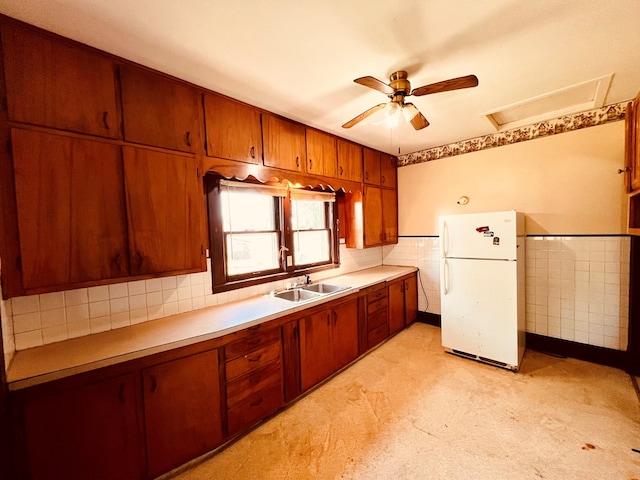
(261, 233)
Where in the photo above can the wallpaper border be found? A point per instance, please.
(600, 116)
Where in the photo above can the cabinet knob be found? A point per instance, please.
(252, 152)
(105, 120)
(341, 171)
(383, 180)
(310, 164)
(297, 162)
(154, 384)
(187, 138)
(623, 170)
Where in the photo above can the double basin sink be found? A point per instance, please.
(309, 292)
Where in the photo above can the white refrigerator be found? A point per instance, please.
(482, 286)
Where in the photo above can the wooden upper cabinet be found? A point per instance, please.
(284, 143)
(322, 156)
(55, 83)
(71, 209)
(388, 170)
(349, 161)
(371, 166)
(165, 212)
(372, 216)
(233, 130)
(159, 111)
(389, 216)
(182, 410)
(632, 145)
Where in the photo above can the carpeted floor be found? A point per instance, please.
(410, 411)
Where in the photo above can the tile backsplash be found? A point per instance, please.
(36, 320)
(577, 287)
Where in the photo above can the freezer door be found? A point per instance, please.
(480, 235)
(479, 308)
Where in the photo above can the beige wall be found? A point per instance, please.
(565, 184)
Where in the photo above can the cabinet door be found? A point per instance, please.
(349, 161)
(233, 130)
(411, 299)
(87, 432)
(344, 335)
(284, 143)
(372, 216)
(159, 111)
(71, 209)
(165, 208)
(371, 166)
(182, 410)
(396, 306)
(321, 153)
(389, 216)
(57, 84)
(632, 118)
(388, 170)
(316, 362)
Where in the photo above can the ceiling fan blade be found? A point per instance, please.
(446, 85)
(413, 115)
(375, 84)
(364, 115)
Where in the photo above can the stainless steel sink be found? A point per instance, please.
(323, 288)
(298, 295)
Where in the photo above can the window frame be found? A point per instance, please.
(221, 282)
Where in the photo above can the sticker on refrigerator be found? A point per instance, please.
(496, 240)
(487, 234)
(482, 229)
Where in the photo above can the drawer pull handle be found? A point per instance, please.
(252, 152)
(255, 359)
(255, 403)
(121, 396)
(105, 120)
(154, 384)
(187, 138)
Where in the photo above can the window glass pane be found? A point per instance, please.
(251, 252)
(311, 247)
(308, 215)
(246, 211)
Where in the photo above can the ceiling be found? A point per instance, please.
(299, 58)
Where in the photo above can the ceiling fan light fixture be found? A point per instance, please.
(393, 114)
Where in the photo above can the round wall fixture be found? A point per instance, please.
(463, 200)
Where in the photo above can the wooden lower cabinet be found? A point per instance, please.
(85, 432)
(403, 302)
(328, 342)
(140, 419)
(254, 378)
(181, 410)
(377, 316)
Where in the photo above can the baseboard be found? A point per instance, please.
(557, 346)
(581, 351)
(428, 318)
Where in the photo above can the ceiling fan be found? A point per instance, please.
(399, 88)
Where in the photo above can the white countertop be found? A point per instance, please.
(69, 357)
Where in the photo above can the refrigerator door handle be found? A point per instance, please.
(445, 277)
(444, 240)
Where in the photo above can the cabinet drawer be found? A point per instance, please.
(255, 407)
(243, 387)
(374, 321)
(377, 295)
(251, 361)
(248, 344)
(380, 304)
(378, 335)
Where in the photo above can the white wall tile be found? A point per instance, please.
(53, 317)
(98, 294)
(76, 297)
(55, 333)
(26, 322)
(28, 339)
(27, 304)
(118, 290)
(49, 301)
(99, 309)
(80, 328)
(137, 287)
